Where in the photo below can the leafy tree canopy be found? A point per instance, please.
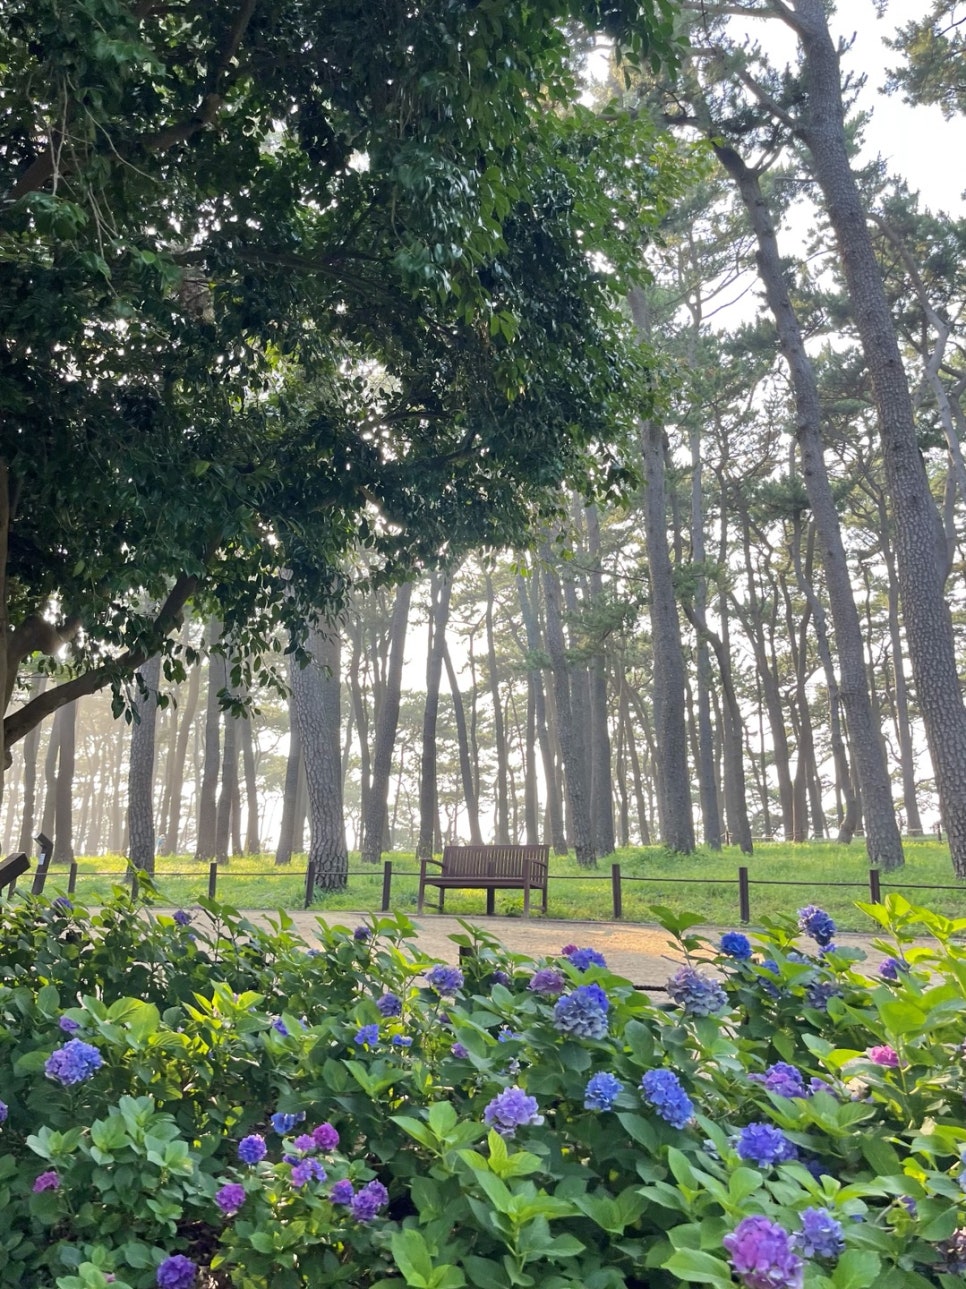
(296, 292)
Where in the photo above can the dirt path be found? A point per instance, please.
(640, 953)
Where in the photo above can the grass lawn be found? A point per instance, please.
(702, 883)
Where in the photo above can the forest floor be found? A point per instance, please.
(644, 955)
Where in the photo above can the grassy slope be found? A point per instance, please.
(702, 883)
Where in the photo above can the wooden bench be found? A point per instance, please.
(11, 868)
(487, 868)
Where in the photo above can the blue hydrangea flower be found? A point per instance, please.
(283, 1123)
(602, 1091)
(584, 958)
(4, 1111)
(500, 977)
(768, 986)
(818, 992)
(764, 1144)
(583, 1013)
(182, 917)
(68, 1025)
(662, 1090)
(445, 980)
(62, 904)
(735, 945)
(547, 981)
(511, 1109)
(389, 1004)
(401, 1040)
(367, 1202)
(361, 934)
(367, 1036)
(821, 1235)
(697, 994)
(890, 968)
(251, 1150)
(342, 1192)
(176, 1272)
(762, 1256)
(783, 1079)
(459, 1050)
(816, 923)
(279, 1026)
(506, 1034)
(73, 1063)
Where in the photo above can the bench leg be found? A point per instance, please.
(526, 901)
(490, 898)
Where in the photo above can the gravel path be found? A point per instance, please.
(640, 953)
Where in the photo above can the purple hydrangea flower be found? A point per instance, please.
(602, 1091)
(4, 1111)
(325, 1137)
(251, 1150)
(62, 904)
(176, 1272)
(764, 1144)
(735, 945)
(68, 1025)
(389, 1005)
(279, 1026)
(889, 968)
(182, 917)
(662, 1089)
(821, 1235)
(305, 1142)
(459, 1050)
(547, 981)
(762, 1256)
(499, 977)
(697, 994)
(307, 1170)
(816, 923)
(367, 1202)
(783, 1079)
(510, 1110)
(401, 1040)
(361, 934)
(49, 1181)
(342, 1192)
(445, 980)
(583, 1013)
(584, 958)
(507, 1035)
(283, 1123)
(367, 1036)
(73, 1063)
(230, 1198)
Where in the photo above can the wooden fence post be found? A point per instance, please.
(386, 885)
(875, 889)
(615, 886)
(72, 878)
(212, 880)
(309, 883)
(744, 896)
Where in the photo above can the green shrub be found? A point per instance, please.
(195, 1101)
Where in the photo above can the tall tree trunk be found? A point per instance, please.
(226, 807)
(919, 539)
(440, 591)
(673, 773)
(316, 694)
(578, 798)
(64, 808)
(601, 775)
(375, 810)
(207, 843)
(172, 835)
(290, 793)
(555, 825)
(253, 843)
(502, 820)
(31, 746)
(140, 774)
(470, 801)
(707, 778)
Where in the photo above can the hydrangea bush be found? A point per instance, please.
(193, 1102)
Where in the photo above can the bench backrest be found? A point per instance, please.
(495, 861)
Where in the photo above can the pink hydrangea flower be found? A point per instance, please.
(883, 1055)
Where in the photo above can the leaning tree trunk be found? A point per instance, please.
(883, 842)
(921, 555)
(140, 775)
(316, 699)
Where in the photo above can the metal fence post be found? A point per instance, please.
(875, 888)
(212, 880)
(615, 886)
(744, 896)
(386, 885)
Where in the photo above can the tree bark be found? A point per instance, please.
(64, 792)
(140, 775)
(440, 592)
(374, 820)
(207, 843)
(555, 824)
(316, 694)
(502, 821)
(31, 746)
(290, 793)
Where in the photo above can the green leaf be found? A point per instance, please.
(693, 1266)
(856, 1269)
